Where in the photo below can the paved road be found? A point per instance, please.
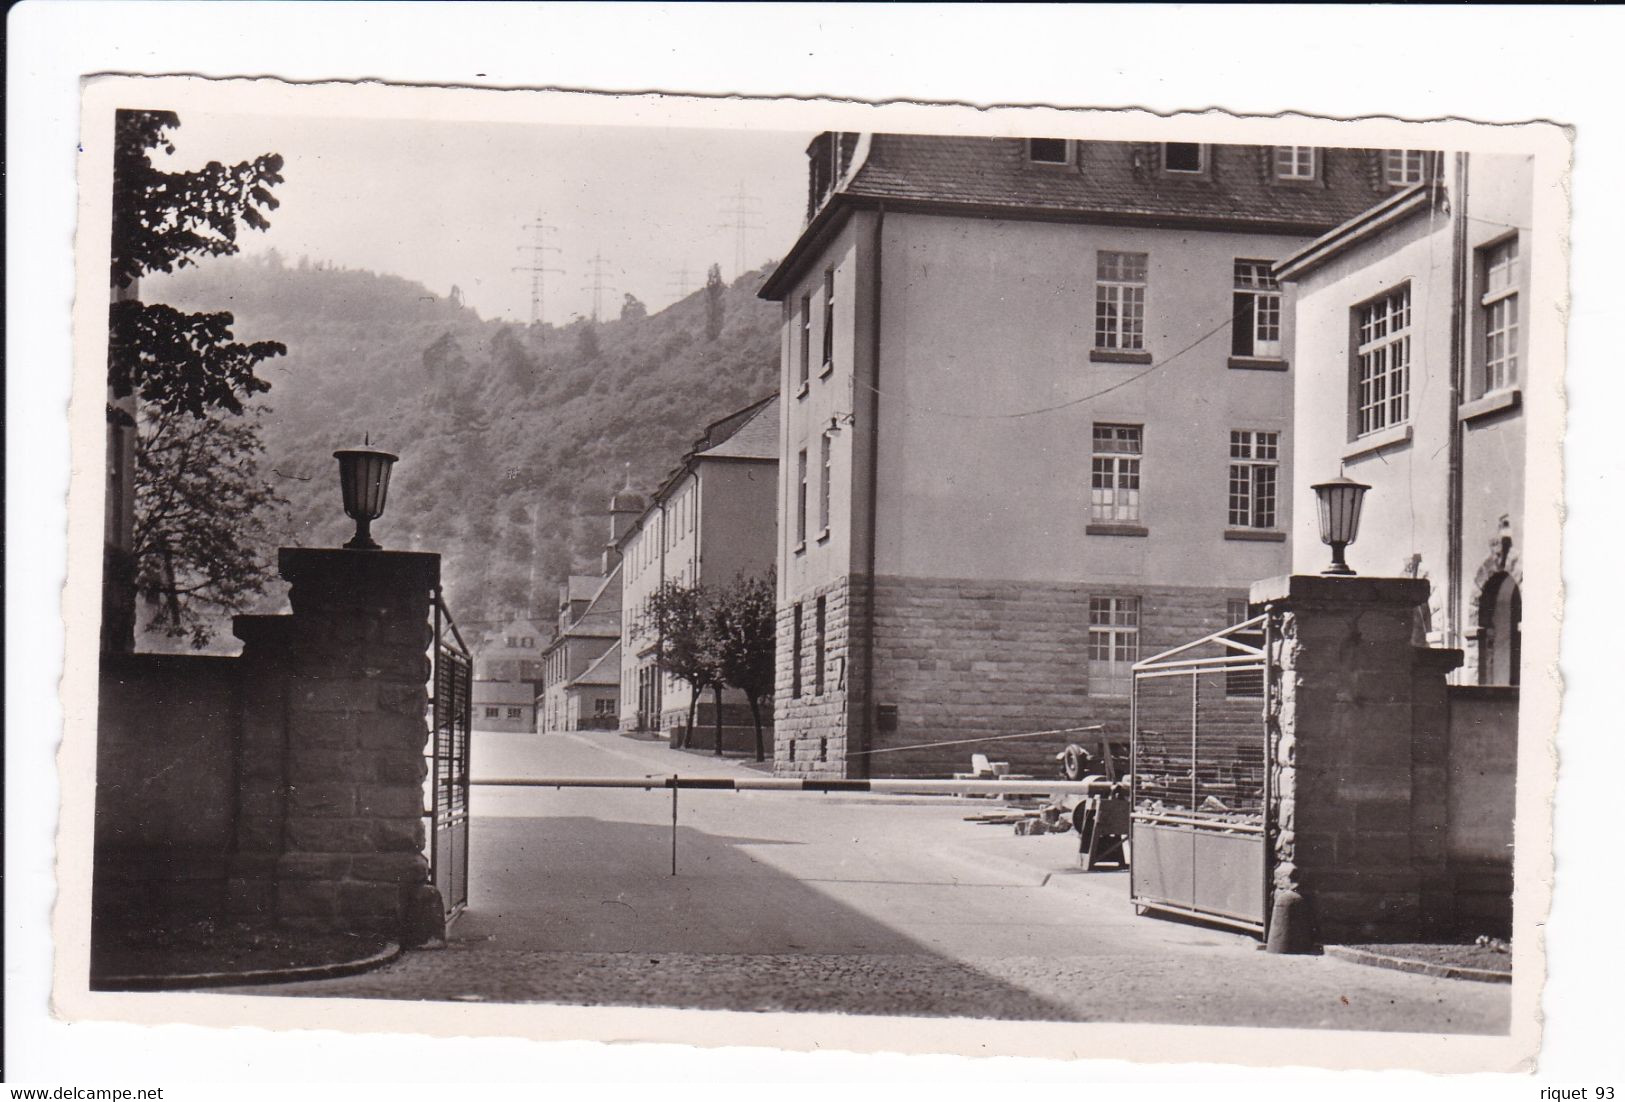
(842, 903)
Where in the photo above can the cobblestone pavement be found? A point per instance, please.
(843, 905)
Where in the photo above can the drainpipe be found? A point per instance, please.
(872, 705)
(1459, 317)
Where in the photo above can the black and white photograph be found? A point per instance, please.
(797, 573)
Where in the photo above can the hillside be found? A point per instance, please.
(512, 438)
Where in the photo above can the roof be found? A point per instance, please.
(1364, 226)
(605, 671)
(1106, 181)
(581, 587)
(756, 438)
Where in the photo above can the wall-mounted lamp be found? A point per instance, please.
(364, 479)
(1339, 501)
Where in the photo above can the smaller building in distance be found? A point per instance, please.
(589, 630)
(712, 520)
(507, 674)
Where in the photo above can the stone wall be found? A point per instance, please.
(813, 732)
(165, 786)
(1482, 775)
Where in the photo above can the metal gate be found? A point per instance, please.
(1199, 757)
(452, 716)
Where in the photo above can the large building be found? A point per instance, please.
(1036, 422)
(1411, 355)
(711, 521)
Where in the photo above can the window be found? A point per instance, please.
(603, 709)
(1120, 300)
(818, 648)
(1255, 330)
(492, 713)
(795, 652)
(1049, 151)
(823, 484)
(829, 318)
(1383, 362)
(1114, 644)
(1402, 167)
(804, 358)
(1243, 683)
(1294, 162)
(516, 713)
(1183, 157)
(1253, 469)
(801, 498)
(1500, 305)
(1114, 473)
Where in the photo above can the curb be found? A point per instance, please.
(1419, 967)
(390, 952)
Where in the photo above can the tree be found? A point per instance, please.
(713, 302)
(204, 518)
(632, 309)
(684, 647)
(744, 628)
(587, 340)
(167, 220)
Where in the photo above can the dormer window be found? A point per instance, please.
(1294, 162)
(1184, 157)
(1403, 167)
(1049, 151)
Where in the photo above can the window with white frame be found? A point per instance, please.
(804, 358)
(1500, 305)
(801, 497)
(1114, 644)
(1382, 362)
(823, 483)
(1294, 162)
(829, 318)
(1256, 324)
(1254, 478)
(1184, 157)
(1114, 473)
(1049, 151)
(1120, 301)
(1402, 167)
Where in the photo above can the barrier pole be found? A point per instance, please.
(674, 829)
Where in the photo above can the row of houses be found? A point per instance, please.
(1049, 406)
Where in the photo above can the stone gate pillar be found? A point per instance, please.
(356, 674)
(1359, 726)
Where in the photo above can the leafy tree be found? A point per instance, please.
(744, 633)
(713, 302)
(587, 340)
(684, 645)
(632, 309)
(167, 220)
(205, 519)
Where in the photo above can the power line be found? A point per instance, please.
(596, 273)
(680, 284)
(538, 269)
(742, 210)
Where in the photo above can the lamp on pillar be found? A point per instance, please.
(1339, 501)
(364, 478)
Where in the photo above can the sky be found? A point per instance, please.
(447, 203)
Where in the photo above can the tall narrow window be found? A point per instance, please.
(1114, 473)
(1402, 167)
(1254, 461)
(1114, 644)
(801, 498)
(818, 648)
(795, 652)
(1120, 300)
(1383, 362)
(829, 318)
(1500, 305)
(1295, 162)
(804, 355)
(823, 484)
(1255, 329)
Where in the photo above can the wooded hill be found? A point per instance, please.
(512, 438)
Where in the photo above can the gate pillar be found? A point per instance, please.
(356, 673)
(1358, 728)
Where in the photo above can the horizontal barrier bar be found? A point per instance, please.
(797, 784)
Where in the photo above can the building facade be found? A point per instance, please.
(507, 676)
(1036, 423)
(1411, 355)
(589, 628)
(711, 521)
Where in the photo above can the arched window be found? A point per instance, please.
(1500, 620)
